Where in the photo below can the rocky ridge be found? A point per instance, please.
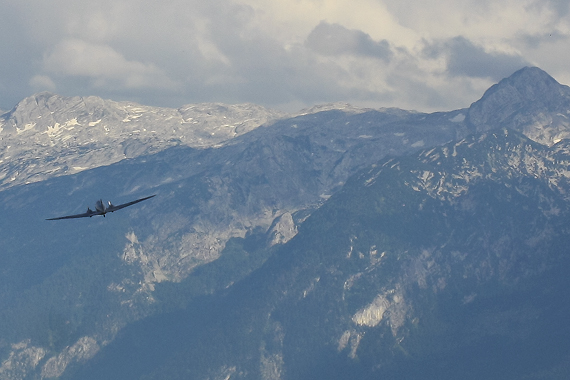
(48, 135)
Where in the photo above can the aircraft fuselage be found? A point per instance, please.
(100, 207)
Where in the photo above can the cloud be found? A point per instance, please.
(103, 65)
(425, 55)
(467, 59)
(561, 8)
(334, 39)
(42, 83)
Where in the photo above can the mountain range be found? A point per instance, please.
(334, 243)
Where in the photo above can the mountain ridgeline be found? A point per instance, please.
(333, 244)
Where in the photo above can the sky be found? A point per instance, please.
(426, 55)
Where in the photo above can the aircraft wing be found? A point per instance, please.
(89, 213)
(112, 208)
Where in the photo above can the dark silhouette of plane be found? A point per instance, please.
(101, 209)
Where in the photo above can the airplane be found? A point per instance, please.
(101, 209)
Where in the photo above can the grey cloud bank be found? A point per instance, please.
(334, 39)
(466, 59)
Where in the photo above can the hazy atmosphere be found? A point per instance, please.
(285, 190)
(424, 55)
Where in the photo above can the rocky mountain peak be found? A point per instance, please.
(529, 84)
(40, 99)
(43, 110)
(529, 101)
(529, 81)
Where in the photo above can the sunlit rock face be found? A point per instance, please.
(49, 135)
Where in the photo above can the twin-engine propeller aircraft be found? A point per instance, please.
(101, 209)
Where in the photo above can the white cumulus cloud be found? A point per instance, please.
(103, 65)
